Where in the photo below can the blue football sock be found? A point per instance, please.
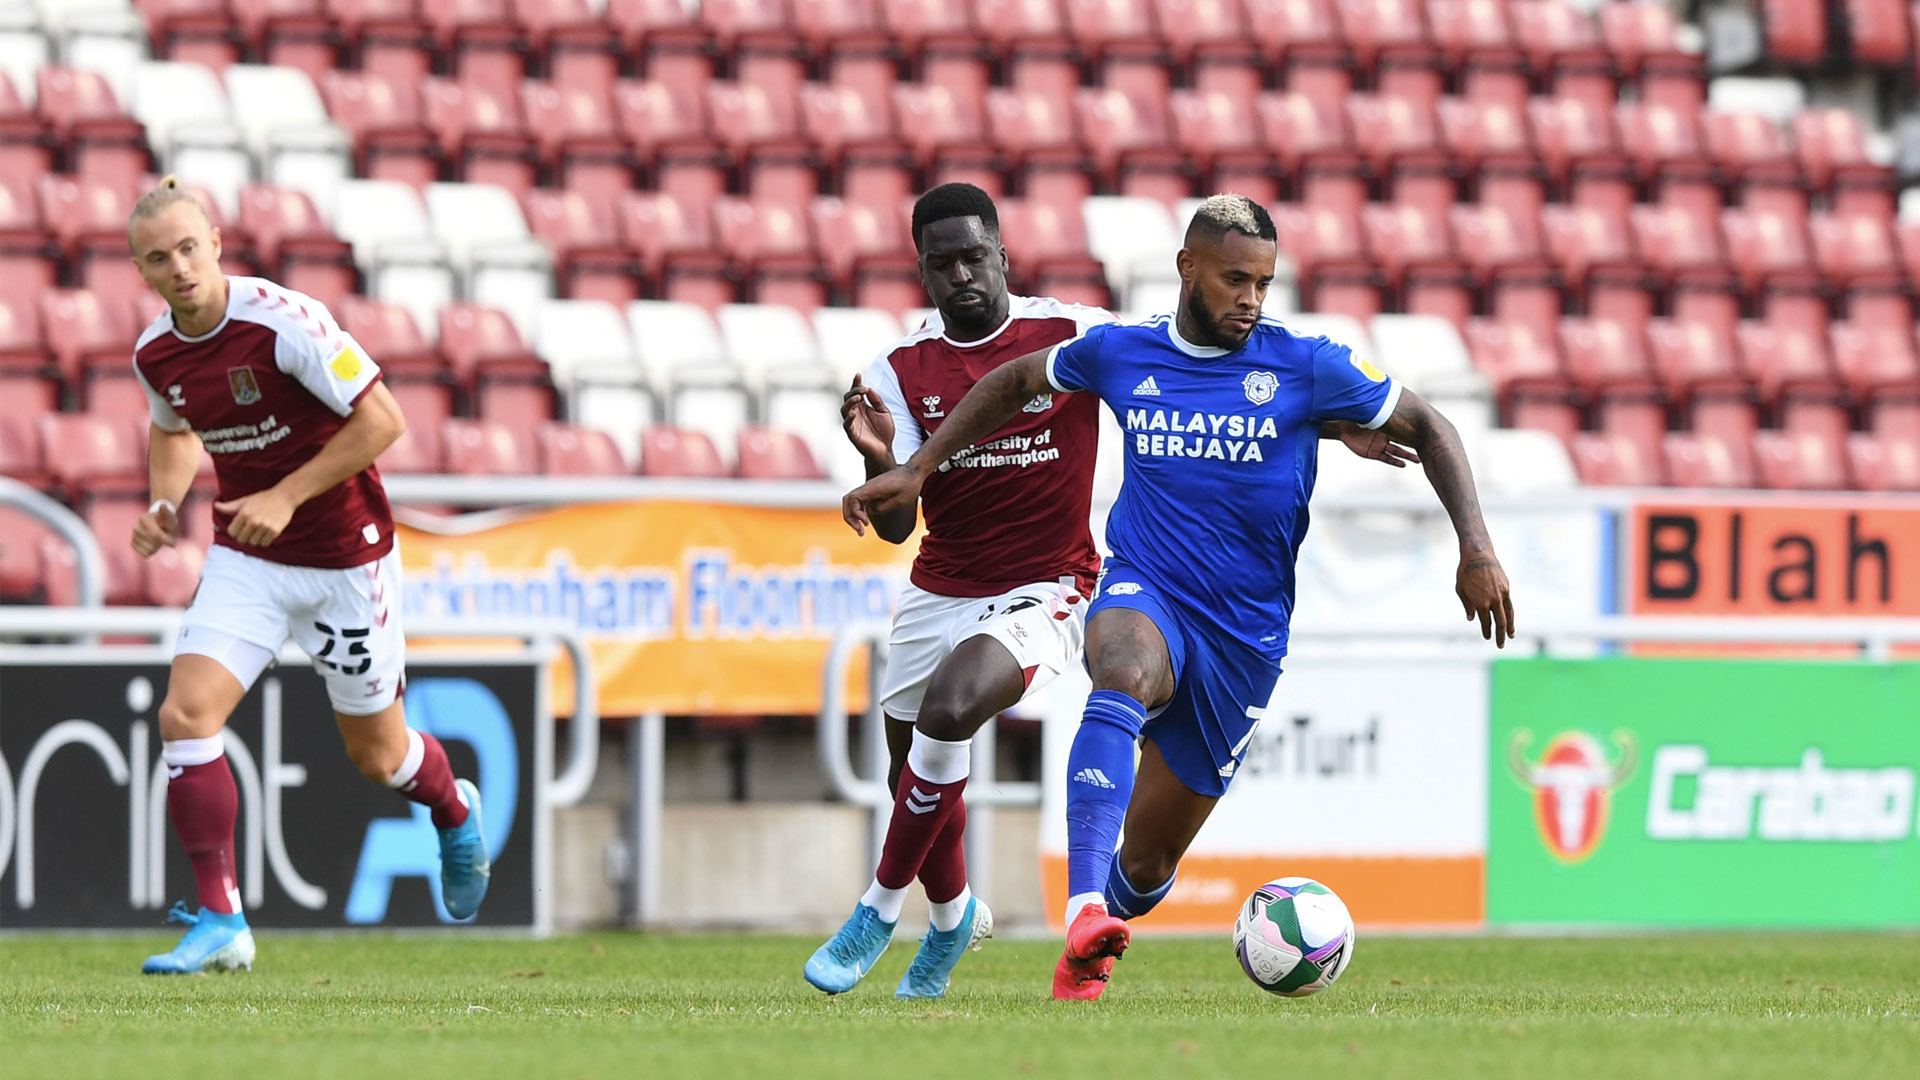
(1099, 784)
(1123, 900)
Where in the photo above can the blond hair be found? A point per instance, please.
(168, 194)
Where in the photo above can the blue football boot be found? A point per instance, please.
(840, 964)
(464, 869)
(213, 942)
(932, 967)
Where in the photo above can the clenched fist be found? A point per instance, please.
(157, 528)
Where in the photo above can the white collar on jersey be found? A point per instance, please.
(225, 318)
(1013, 310)
(1188, 347)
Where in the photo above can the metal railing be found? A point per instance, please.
(91, 567)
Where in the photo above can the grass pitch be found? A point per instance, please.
(616, 1005)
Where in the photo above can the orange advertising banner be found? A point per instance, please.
(1820, 558)
(689, 607)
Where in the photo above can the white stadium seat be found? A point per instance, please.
(485, 236)
(1344, 329)
(851, 339)
(623, 410)
(285, 125)
(174, 99)
(718, 411)
(1427, 353)
(585, 340)
(771, 344)
(814, 415)
(678, 343)
(1515, 461)
(371, 214)
(1133, 236)
(99, 35)
(24, 50)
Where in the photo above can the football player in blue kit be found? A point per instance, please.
(1223, 411)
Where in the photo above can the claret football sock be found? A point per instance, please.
(203, 802)
(931, 786)
(426, 777)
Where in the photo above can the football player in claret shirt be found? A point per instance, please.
(996, 601)
(294, 414)
(1222, 410)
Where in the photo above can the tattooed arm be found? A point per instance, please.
(993, 401)
(1480, 582)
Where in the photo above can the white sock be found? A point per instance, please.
(1076, 902)
(939, 762)
(180, 753)
(887, 902)
(410, 764)
(946, 916)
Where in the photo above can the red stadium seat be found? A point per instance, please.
(1634, 33)
(101, 139)
(1693, 358)
(1592, 248)
(1784, 359)
(392, 338)
(1751, 147)
(1876, 360)
(386, 120)
(172, 575)
(762, 132)
(480, 40)
(22, 538)
(580, 143)
(1328, 249)
(87, 215)
(417, 450)
(481, 129)
(1581, 151)
(1679, 246)
(1665, 143)
(1800, 461)
(1606, 357)
(867, 249)
(1476, 38)
(1118, 31)
(1487, 135)
(1038, 135)
(483, 347)
(388, 37)
(1856, 251)
(288, 232)
(928, 28)
(1884, 462)
(1131, 138)
(1048, 246)
(193, 31)
(1208, 35)
(485, 448)
(1880, 32)
(1701, 460)
(1517, 358)
(1405, 238)
(1499, 243)
(1220, 134)
(773, 243)
(80, 329)
(646, 27)
(567, 450)
(946, 128)
(1393, 130)
(21, 456)
(767, 454)
(575, 45)
(1387, 31)
(583, 232)
(667, 123)
(290, 33)
(111, 518)
(1796, 31)
(855, 132)
(29, 261)
(678, 247)
(95, 453)
(1832, 144)
(673, 451)
(1564, 50)
(1033, 42)
(1614, 460)
(1769, 251)
(1315, 149)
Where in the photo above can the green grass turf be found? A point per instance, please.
(617, 1005)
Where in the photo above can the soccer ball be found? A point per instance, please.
(1293, 937)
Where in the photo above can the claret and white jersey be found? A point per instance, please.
(265, 390)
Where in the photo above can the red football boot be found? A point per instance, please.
(1094, 940)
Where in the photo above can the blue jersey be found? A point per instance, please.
(1222, 447)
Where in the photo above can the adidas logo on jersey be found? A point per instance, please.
(1147, 388)
(1091, 775)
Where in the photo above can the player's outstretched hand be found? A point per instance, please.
(155, 529)
(868, 424)
(259, 518)
(892, 489)
(1484, 592)
(1374, 444)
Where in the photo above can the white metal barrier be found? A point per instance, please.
(92, 569)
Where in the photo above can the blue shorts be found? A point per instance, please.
(1220, 686)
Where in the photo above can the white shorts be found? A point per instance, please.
(348, 621)
(1045, 634)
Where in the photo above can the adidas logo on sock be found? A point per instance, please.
(1147, 388)
(1091, 775)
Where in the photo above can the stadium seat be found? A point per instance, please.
(478, 40)
(580, 143)
(1832, 144)
(1606, 357)
(648, 27)
(1500, 245)
(578, 337)
(678, 342)
(1425, 352)
(772, 246)
(81, 329)
(394, 244)
(1488, 137)
(1048, 250)
(1800, 461)
(1609, 460)
(770, 345)
(764, 139)
(1856, 250)
(1400, 138)
(1769, 251)
(100, 136)
(290, 33)
(1134, 237)
(855, 134)
(1580, 149)
(391, 337)
(21, 456)
(1326, 246)
(1784, 358)
(867, 252)
(1130, 137)
(22, 539)
(111, 518)
(571, 41)
(1796, 31)
(1516, 462)
(482, 132)
(486, 448)
(768, 454)
(672, 137)
(1693, 358)
(582, 231)
(485, 235)
(1517, 357)
(851, 339)
(945, 127)
(1701, 460)
(1414, 248)
(1884, 462)
(387, 37)
(172, 575)
(1680, 247)
(86, 215)
(569, 450)
(1219, 133)
(1317, 153)
(190, 124)
(1039, 137)
(678, 247)
(284, 124)
(418, 450)
(294, 244)
(670, 451)
(96, 453)
(474, 336)
(386, 119)
(1873, 360)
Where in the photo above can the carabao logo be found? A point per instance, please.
(1572, 784)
